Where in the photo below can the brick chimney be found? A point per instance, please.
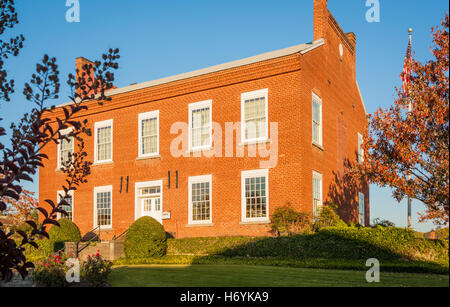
(79, 63)
(320, 18)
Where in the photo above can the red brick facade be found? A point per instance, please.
(290, 81)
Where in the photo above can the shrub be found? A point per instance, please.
(145, 238)
(383, 223)
(286, 220)
(328, 217)
(51, 272)
(66, 232)
(96, 270)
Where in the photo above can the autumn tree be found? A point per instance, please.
(24, 207)
(406, 148)
(21, 160)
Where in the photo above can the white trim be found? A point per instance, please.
(98, 125)
(360, 149)
(317, 175)
(317, 99)
(142, 117)
(191, 181)
(195, 106)
(251, 174)
(102, 189)
(301, 49)
(146, 184)
(250, 95)
(58, 198)
(64, 132)
(363, 196)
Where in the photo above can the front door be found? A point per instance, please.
(151, 206)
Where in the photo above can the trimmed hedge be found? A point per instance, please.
(145, 238)
(68, 231)
(349, 243)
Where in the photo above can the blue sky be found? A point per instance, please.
(162, 38)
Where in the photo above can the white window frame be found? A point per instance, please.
(250, 95)
(64, 132)
(317, 175)
(98, 125)
(58, 198)
(360, 149)
(252, 174)
(141, 185)
(102, 189)
(317, 99)
(363, 196)
(195, 106)
(142, 117)
(194, 180)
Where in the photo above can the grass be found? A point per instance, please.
(260, 276)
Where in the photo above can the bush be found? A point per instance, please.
(51, 272)
(66, 232)
(286, 220)
(145, 238)
(96, 270)
(328, 217)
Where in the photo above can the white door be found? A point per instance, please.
(152, 207)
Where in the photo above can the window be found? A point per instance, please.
(200, 200)
(200, 125)
(254, 116)
(149, 134)
(317, 120)
(65, 148)
(255, 190)
(360, 149)
(68, 206)
(317, 194)
(362, 210)
(103, 207)
(103, 141)
(149, 199)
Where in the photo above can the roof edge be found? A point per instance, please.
(302, 49)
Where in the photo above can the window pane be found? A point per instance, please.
(66, 150)
(317, 195)
(255, 195)
(68, 208)
(149, 136)
(201, 127)
(104, 209)
(255, 118)
(104, 143)
(200, 201)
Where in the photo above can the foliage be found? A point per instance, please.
(329, 243)
(442, 233)
(328, 217)
(35, 131)
(66, 232)
(95, 270)
(408, 150)
(383, 223)
(145, 238)
(51, 272)
(24, 207)
(286, 220)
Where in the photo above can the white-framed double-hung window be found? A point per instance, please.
(67, 206)
(149, 134)
(360, 148)
(103, 207)
(317, 194)
(317, 120)
(103, 151)
(200, 125)
(65, 148)
(255, 195)
(362, 209)
(254, 116)
(200, 200)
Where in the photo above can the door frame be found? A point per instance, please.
(137, 203)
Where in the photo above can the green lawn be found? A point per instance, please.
(259, 276)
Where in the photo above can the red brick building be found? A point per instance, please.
(156, 151)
